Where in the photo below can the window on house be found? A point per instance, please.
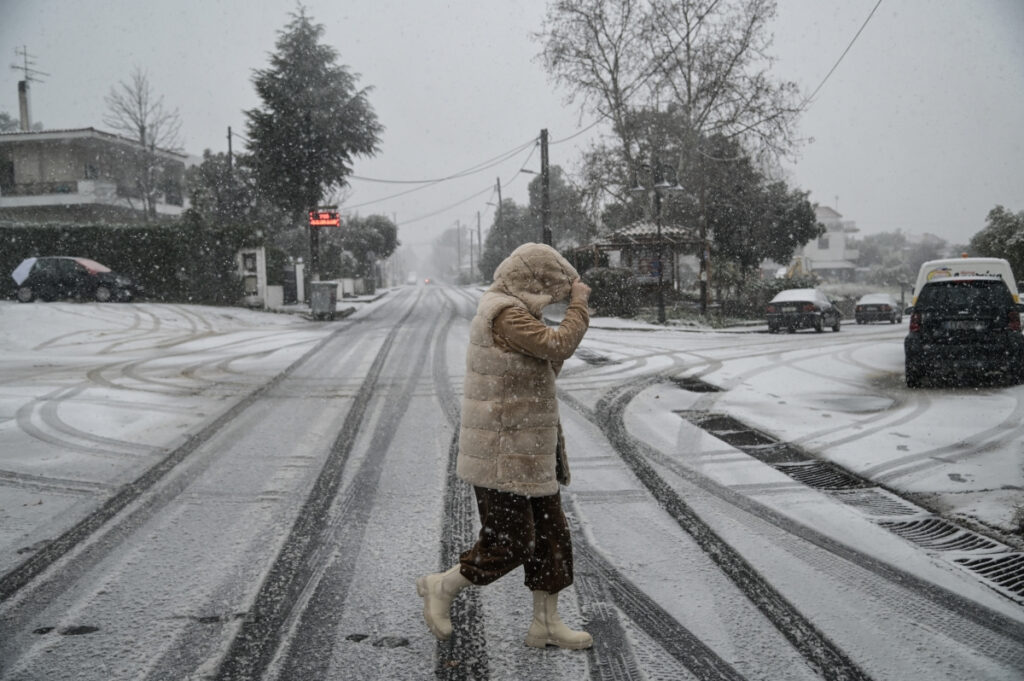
(823, 243)
(6, 174)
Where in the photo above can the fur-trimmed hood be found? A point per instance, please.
(537, 275)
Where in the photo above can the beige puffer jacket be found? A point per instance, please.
(510, 428)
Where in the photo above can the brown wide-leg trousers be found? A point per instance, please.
(518, 530)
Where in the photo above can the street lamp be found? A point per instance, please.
(659, 186)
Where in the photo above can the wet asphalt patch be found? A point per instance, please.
(75, 630)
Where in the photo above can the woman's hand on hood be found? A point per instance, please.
(579, 291)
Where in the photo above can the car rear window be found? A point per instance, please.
(795, 295)
(965, 294)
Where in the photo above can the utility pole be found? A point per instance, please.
(479, 242)
(497, 220)
(705, 251)
(229, 148)
(458, 250)
(472, 272)
(545, 183)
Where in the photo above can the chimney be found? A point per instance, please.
(26, 124)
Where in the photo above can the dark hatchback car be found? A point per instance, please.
(878, 307)
(57, 277)
(961, 326)
(802, 308)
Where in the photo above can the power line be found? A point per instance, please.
(449, 207)
(479, 167)
(806, 101)
(575, 134)
(434, 182)
(468, 198)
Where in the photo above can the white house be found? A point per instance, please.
(829, 256)
(83, 175)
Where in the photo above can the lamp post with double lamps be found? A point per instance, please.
(658, 188)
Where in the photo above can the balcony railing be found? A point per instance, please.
(41, 188)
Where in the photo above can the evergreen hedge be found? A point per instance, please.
(184, 262)
(613, 291)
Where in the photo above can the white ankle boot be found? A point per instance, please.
(438, 591)
(547, 628)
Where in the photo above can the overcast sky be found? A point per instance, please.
(920, 128)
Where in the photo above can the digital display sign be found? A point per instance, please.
(324, 217)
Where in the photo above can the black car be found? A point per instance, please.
(56, 277)
(802, 308)
(964, 325)
(878, 307)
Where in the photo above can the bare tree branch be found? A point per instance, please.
(134, 111)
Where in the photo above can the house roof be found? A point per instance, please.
(645, 232)
(79, 133)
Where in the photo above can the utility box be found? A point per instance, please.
(323, 299)
(252, 268)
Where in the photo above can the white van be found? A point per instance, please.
(966, 267)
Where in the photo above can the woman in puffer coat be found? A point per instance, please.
(510, 443)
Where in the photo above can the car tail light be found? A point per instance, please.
(1014, 320)
(771, 309)
(860, 308)
(809, 307)
(915, 321)
(886, 308)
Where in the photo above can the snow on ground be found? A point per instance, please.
(957, 449)
(136, 379)
(93, 394)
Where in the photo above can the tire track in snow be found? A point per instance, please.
(468, 641)
(829, 662)
(598, 585)
(995, 634)
(314, 630)
(16, 579)
(253, 648)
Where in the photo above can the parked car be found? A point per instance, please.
(802, 308)
(55, 277)
(878, 307)
(964, 324)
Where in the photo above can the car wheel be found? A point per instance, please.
(914, 376)
(103, 294)
(791, 329)
(819, 326)
(26, 294)
(835, 327)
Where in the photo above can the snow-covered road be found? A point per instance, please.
(191, 492)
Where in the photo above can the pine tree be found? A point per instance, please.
(313, 121)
